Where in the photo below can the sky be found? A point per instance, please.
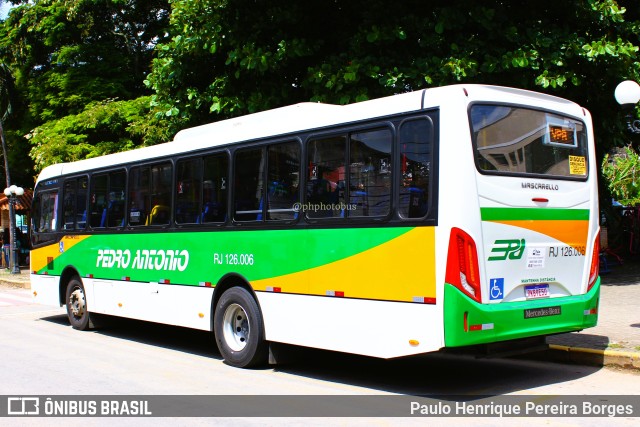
(4, 9)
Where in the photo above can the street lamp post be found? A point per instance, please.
(628, 94)
(12, 192)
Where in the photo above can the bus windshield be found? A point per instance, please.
(520, 141)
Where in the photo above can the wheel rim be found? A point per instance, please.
(77, 303)
(235, 327)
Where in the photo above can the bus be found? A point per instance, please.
(457, 217)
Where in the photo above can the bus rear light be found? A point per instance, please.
(590, 312)
(465, 321)
(595, 263)
(463, 270)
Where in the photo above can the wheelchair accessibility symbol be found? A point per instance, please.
(496, 290)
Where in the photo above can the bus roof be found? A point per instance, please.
(296, 118)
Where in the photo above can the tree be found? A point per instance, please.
(6, 93)
(223, 58)
(102, 128)
(69, 56)
(231, 57)
(68, 53)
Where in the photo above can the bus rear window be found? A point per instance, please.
(520, 141)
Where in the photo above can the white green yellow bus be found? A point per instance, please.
(453, 217)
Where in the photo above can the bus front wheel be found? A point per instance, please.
(76, 302)
(239, 329)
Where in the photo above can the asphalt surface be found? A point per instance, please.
(615, 341)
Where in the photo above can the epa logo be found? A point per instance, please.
(503, 249)
(23, 406)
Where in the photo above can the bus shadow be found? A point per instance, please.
(440, 374)
(192, 341)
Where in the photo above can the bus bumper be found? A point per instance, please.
(468, 323)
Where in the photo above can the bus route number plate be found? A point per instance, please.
(537, 291)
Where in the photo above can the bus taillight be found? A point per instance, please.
(595, 263)
(462, 264)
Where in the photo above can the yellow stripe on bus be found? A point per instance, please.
(399, 270)
(41, 257)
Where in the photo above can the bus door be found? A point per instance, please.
(534, 202)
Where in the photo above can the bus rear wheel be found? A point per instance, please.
(239, 329)
(76, 302)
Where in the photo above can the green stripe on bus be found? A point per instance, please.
(533, 214)
(255, 254)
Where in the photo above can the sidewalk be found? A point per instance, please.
(18, 280)
(614, 341)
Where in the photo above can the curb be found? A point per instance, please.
(593, 357)
(25, 284)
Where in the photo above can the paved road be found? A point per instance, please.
(43, 355)
(615, 340)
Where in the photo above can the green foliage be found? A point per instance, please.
(622, 172)
(6, 91)
(214, 59)
(69, 53)
(68, 58)
(102, 128)
(231, 57)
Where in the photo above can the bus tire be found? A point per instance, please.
(239, 329)
(76, 303)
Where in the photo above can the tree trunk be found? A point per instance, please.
(12, 215)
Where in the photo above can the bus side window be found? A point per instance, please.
(98, 200)
(188, 190)
(74, 204)
(416, 141)
(69, 204)
(81, 203)
(161, 184)
(115, 207)
(138, 195)
(214, 188)
(249, 186)
(370, 173)
(325, 184)
(45, 212)
(283, 179)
